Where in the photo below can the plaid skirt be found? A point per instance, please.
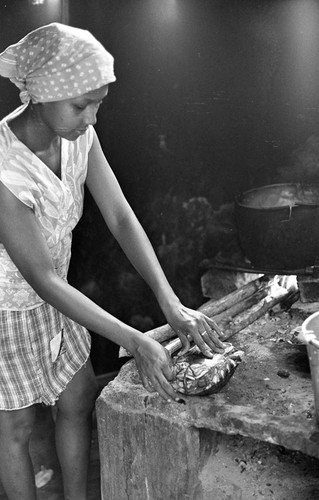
(40, 352)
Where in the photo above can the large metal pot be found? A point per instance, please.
(278, 225)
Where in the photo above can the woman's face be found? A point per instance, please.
(71, 117)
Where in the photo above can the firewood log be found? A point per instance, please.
(225, 317)
(234, 302)
(213, 307)
(248, 317)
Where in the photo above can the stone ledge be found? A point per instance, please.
(152, 450)
(295, 432)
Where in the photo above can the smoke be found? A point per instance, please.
(304, 163)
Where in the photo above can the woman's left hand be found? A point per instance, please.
(203, 330)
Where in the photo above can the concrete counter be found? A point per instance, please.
(153, 450)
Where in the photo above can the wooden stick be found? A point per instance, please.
(245, 319)
(223, 318)
(212, 308)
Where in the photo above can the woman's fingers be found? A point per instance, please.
(160, 384)
(162, 377)
(210, 335)
(206, 346)
(185, 343)
(212, 342)
(214, 326)
(155, 367)
(204, 331)
(147, 383)
(164, 389)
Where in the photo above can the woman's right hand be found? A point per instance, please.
(155, 368)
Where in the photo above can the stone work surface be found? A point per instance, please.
(257, 438)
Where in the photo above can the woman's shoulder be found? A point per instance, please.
(13, 114)
(7, 137)
(11, 148)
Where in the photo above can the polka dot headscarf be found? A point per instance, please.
(57, 62)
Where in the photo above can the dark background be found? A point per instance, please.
(212, 97)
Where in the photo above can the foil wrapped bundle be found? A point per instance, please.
(196, 375)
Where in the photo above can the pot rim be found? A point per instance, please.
(303, 185)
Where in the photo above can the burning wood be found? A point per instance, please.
(240, 308)
(276, 294)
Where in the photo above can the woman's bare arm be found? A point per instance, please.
(125, 227)
(21, 235)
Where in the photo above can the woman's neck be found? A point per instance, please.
(30, 129)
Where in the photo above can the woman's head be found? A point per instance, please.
(69, 118)
(57, 62)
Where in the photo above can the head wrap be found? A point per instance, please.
(56, 62)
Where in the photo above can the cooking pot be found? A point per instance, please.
(278, 225)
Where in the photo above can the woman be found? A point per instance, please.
(48, 150)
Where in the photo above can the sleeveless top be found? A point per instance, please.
(56, 203)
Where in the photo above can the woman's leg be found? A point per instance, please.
(73, 431)
(16, 470)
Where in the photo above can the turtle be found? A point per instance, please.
(197, 375)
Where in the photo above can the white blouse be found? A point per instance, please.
(56, 203)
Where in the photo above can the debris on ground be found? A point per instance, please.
(43, 477)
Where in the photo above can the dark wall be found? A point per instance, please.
(212, 96)
(17, 18)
